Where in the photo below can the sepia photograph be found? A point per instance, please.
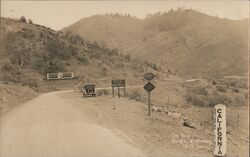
(124, 78)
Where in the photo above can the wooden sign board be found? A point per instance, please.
(60, 76)
(118, 83)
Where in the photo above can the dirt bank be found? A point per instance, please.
(11, 95)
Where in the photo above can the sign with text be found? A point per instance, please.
(60, 76)
(149, 76)
(118, 83)
(220, 130)
(149, 87)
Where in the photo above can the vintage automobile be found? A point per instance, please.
(89, 90)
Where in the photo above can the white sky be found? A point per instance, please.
(59, 14)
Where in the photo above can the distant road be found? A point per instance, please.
(49, 127)
(235, 77)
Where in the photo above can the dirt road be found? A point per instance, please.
(47, 126)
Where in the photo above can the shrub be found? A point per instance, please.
(6, 65)
(235, 89)
(95, 55)
(197, 100)
(104, 71)
(102, 92)
(55, 67)
(128, 57)
(200, 91)
(221, 88)
(30, 21)
(218, 99)
(23, 19)
(246, 95)
(31, 83)
(57, 51)
(83, 60)
(240, 100)
(135, 95)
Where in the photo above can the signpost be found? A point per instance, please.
(118, 83)
(149, 87)
(220, 130)
(60, 76)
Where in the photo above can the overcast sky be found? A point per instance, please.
(59, 14)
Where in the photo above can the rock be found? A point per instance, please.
(154, 108)
(189, 124)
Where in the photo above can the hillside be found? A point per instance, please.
(183, 41)
(29, 51)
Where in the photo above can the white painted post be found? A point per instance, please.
(220, 130)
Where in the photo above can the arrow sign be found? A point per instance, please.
(60, 75)
(149, 87)
(149, 76)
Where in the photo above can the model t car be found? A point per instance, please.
(89, 90)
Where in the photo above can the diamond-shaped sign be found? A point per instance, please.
(149, 76)
(149, 87)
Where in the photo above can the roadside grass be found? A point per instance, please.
(210, 95)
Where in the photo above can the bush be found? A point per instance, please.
(31, 83)
(240, 100)
(127, 57)
(104, 72)
(200, 91)
(102, 92)
(221, 88)
(56, 50)
(219, 99)
(30, 21)
(135, 95)
(235, 89)
(55, 67)
(83, 60)
(23, 19)
(197, 100)
(6, 65)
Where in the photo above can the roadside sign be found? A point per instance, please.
(149, 76)
(60, 76)
(220, 130)
(149, 87)
(118, 83)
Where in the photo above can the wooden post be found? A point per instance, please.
(149, 105)
(113, 92)
(124, 88)
(21, 61)
(119, 92)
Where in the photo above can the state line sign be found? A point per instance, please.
(220, 130)
(60, 76)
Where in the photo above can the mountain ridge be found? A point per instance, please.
(177, 40)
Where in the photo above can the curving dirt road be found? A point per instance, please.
(49, 127)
